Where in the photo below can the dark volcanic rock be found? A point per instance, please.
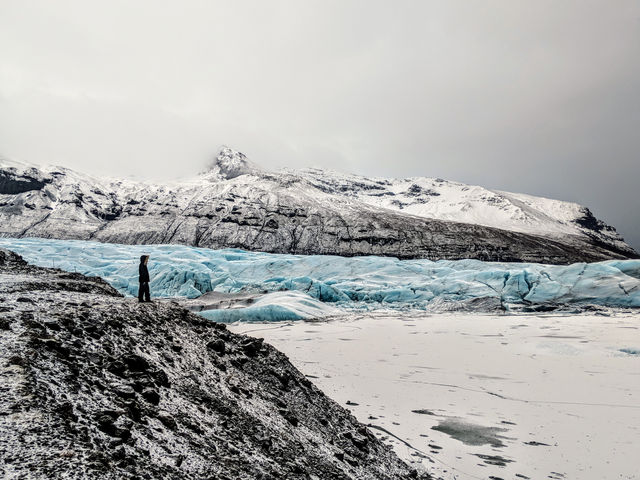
(11, 184)
(217, 345)
(92, 386)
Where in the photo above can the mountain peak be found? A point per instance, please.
(230, 163)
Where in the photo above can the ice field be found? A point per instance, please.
(477, 396)
(320, 284)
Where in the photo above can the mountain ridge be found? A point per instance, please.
(237, 204)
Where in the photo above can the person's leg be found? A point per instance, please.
(140, 291)
(147, 292)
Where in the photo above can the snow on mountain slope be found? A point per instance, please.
(236, 204)
(453, 201)
(231, 164)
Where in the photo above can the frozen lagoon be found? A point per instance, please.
(473, 396)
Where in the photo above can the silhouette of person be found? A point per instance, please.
(143, 278)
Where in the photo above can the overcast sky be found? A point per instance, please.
(534, 96)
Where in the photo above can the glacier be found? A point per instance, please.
(294, 287)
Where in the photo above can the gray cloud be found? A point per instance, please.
(541, 97)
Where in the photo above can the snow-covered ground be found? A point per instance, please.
(483, 396)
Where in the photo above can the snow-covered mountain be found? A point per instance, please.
(237, 204)
(457, 202)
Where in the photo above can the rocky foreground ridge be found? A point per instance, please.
(94, 385)
(236, 204)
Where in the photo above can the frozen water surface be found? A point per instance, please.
(320, 284)
(471, 396)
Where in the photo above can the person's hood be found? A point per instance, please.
(143, 258)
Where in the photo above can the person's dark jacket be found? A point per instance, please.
(142, 270)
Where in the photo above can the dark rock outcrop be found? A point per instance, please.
(93, 386)
(11, 184)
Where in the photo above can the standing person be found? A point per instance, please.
(144, 280)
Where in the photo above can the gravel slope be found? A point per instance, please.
(94, 385)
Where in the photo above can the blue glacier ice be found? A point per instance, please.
(275, 306)
(344, 282)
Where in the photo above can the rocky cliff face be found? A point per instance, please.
(98, 386)
(235, 204)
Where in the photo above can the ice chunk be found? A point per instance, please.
(275, 306)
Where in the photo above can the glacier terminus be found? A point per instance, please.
(291, 287)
